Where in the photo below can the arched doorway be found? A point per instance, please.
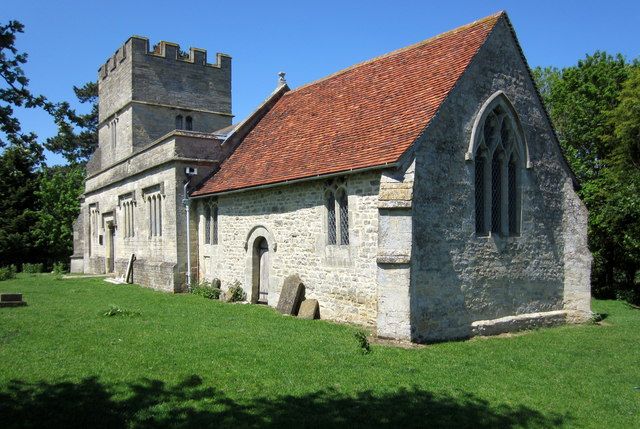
(261, 270)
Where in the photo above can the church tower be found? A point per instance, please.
(159, 110)
(146, 93)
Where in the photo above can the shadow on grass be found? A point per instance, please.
(153, 404)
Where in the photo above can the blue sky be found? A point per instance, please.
(68, 40)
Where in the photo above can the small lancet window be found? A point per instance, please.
(331, 218)
(214, 225)
(337, 220)
(497, 163)
(343, 203)
(207, 225)
(189, 123)
(155, 215)
(179, 122)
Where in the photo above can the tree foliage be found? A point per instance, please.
(77, 136)
(37, 204)
(595, 107)
(14, 92)
(18, 206)
(58, 194)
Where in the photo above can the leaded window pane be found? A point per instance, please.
(513, 218)
(344, 219)
(215, 225)
(207, 225)
(331, 219)
(480, 223)
(496, 194)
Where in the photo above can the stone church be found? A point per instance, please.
(422, 193)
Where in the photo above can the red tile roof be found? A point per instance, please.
(364, 116)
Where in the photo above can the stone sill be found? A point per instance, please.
(393, 259)
(394, 204)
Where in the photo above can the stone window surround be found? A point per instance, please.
(333, 188)
(126, 204)
(210, 208)
(113, 127)
(94, 211)
(153, 196)
(500, 101)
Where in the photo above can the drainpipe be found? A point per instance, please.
(190, 172)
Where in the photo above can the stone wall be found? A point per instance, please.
(147, 248)
(293, 220)
(459, 277)
(143, 91)
(152, 122)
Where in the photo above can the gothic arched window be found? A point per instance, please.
(498, 151)
(337, 220)
(189, 123)
(179, 122)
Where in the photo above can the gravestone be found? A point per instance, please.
(291, 295)
(11, 300)
(309, 309)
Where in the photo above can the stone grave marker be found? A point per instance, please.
(11, 300)
(291, 295)
(309, 309)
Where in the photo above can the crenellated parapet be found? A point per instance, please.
(138, 46)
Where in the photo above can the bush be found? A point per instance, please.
(235, 292)
(7, 273)
(32, 268)
(59, 268)
(205, 290)
(363, 342)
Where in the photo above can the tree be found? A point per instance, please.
(58, 193)
(21, 154)
(18, 206)
(595, 108)
(14, 92)
(77, 147)
(579, 99)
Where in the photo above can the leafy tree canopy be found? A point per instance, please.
(77, 136)
(595, 107)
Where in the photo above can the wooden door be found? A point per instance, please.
(263, 278)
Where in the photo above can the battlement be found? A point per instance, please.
(137, 45)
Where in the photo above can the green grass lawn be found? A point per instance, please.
(184, 361)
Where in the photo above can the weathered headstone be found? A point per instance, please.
(291, 295)
(11, 300)
(309, 309)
